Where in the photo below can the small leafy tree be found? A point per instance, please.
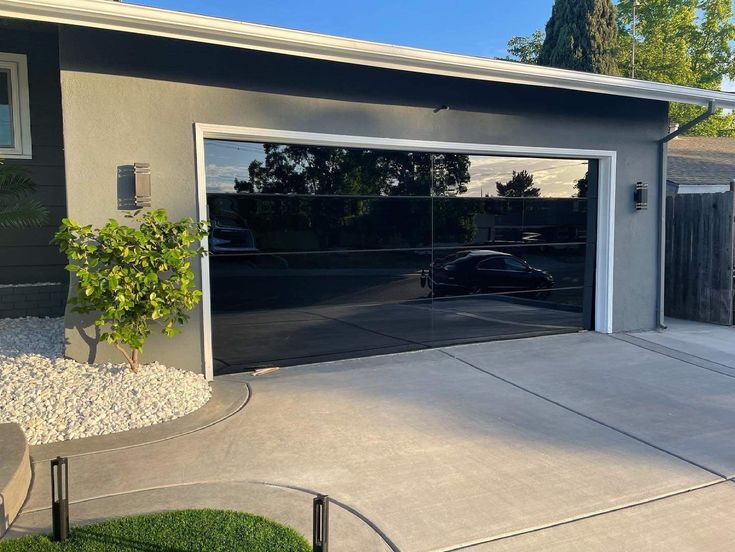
(133, 277)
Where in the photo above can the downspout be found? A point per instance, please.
(663, 155)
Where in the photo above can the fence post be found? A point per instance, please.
(321, 524)
(60, 498)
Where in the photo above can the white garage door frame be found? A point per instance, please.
(605, 205)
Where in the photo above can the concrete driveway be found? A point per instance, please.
(571, 442)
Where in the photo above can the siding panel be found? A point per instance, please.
(25, 254)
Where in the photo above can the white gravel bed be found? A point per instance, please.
(57, 399)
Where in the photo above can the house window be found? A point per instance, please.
(15, 124)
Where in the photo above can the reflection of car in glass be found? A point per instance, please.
(229, 234)
(484, 271)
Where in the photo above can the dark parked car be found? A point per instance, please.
(229, 234)
(484, 271)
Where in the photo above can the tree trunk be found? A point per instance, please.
(132, 358)
(136, 363)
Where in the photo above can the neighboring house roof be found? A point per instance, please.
(118, 16)
(700, 160)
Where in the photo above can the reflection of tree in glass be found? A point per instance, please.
(520, 185)
(314, 170)
(582, 185)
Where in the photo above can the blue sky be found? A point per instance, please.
(478, 27)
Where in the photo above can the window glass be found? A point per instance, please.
(6, 119)
(263, 169)
(514, 264)
(290, 223)
(494, 263)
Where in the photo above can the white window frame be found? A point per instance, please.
(17, 67)
(605, 204)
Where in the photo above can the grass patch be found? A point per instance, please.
(178, 531)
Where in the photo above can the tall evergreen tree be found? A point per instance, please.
(581, 35)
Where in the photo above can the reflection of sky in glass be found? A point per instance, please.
(226, 161)
(6, 126)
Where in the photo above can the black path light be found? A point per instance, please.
(321, 524)
(60, 498)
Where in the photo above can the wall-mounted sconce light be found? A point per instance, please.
(142, 173)
(640, 196)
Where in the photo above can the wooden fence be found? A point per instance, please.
(699, 257)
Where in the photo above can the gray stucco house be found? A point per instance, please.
(362, 215)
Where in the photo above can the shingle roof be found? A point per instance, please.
(701, 160)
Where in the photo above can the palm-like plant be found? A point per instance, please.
(17, 209)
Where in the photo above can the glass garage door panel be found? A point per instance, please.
(288, 224)
(322, 253)
(298, 308)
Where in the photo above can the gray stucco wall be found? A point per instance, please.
(131, 98)
(25, 254)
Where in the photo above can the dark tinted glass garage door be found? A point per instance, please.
(323, 253)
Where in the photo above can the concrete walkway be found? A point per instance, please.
(572, 442)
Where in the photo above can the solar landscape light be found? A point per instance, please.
(321, 524)
(60, 498)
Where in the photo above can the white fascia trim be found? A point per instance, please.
(104, 14)
(605, 205)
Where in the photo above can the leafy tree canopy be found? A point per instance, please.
(526, 49)
(325, 170)
(520, 185)
(686, 42)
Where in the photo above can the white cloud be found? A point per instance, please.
(555, 177)
(221, 178)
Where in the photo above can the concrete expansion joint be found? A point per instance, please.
(687, 358)
(599, 513)
(586, 416)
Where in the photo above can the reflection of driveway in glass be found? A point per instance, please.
(286, 337)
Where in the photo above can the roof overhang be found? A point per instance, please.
(105, 14)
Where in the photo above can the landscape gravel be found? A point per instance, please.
(57, 399)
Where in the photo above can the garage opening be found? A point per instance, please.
(323, 253)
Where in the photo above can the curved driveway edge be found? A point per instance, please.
(348, 531)
(228, 397)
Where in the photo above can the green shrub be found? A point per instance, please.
(133, 277)
(17, 208)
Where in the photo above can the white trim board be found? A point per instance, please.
(605, 203)
(121, 16)
(17, 67)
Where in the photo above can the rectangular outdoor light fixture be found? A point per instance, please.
(640, 196)
(142, 172)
